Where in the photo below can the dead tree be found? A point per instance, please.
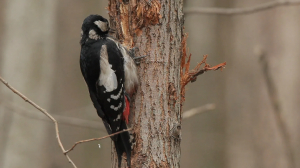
(155, 28)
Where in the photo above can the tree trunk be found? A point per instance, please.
(156, 29)
(27, 63)
(255, 136)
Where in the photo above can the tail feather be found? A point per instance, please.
(120, 150)
(123, 144)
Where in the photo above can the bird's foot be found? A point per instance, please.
(132, 55)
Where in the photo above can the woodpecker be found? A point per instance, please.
(110, 74)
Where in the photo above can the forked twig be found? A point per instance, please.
(55, 123)
(95, 139)
(44, 112)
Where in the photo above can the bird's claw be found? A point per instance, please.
(132, 55)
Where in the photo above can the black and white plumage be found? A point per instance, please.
(109, 72)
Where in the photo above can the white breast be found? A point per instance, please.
(131, 77)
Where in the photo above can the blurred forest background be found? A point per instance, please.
(39, 56)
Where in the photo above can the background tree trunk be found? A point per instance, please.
(156, 28)
(28, 64)
(253, 134)
(203, 143)
(240, 132)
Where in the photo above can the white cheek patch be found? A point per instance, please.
(93, 35)
(107, 78)
(103, 26)
(81, 33)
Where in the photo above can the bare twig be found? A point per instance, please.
(44, 112)
(95, 139)
(56, 125)
(198, 110)
(240, 11)
(77, 122)
(273, 95)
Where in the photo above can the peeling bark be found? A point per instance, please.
(156, 29)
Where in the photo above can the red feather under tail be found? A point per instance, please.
(126, 110)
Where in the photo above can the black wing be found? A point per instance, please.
(90, 69)
(111, 95)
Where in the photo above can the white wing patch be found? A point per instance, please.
(107, 77)
(118, 118)
(93, 35)
(116, 97)
(103, 26)
(116, 108)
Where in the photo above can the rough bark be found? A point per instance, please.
(156, 28)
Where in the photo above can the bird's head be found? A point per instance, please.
(94, 27)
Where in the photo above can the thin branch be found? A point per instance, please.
(240, 11)
(72, 121)
(44, 112)
(274, 98)
(95, 139)
(198, 110)
(77, 122)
